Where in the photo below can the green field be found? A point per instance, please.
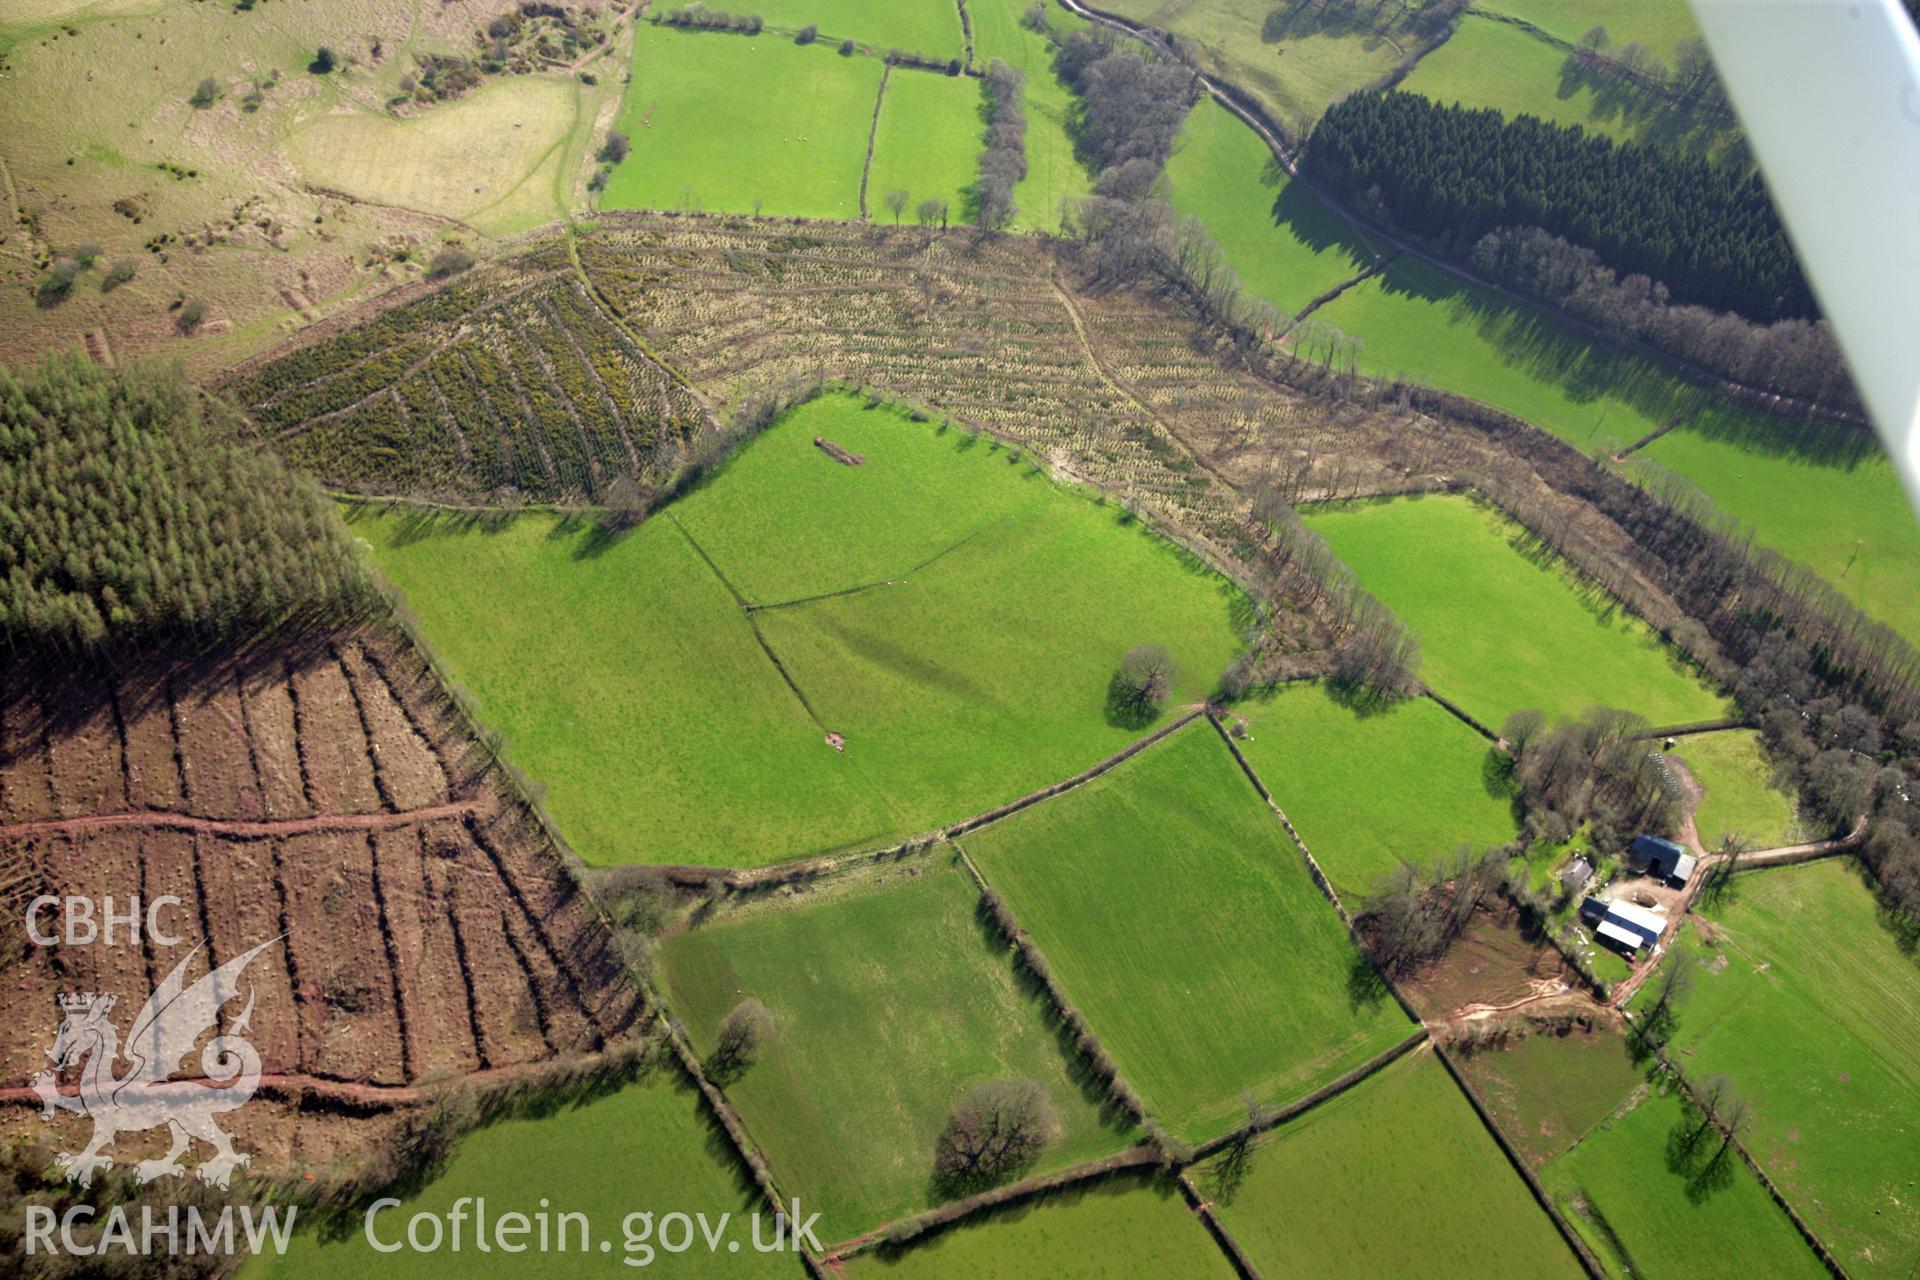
(1500, 629)
(1295, 58)
(931, 27)
(1054, 173)
(1179, 918)
(1121, 1229)
(701, 142)
(1649, 1206)
(1736, 776)
(1285, 244)
(1658, 24)
(628, 679)
(1368, 788)
(1813, 1009)
(1838, 509)
(927, 144)
(629, 683)
(648, 1147)
(1489, 63)
(1394, 1177)
(1842, 513)
(1547, 1091)
(889, 1001)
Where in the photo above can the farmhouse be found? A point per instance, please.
(1576, 874)
(1622, 924)
(1661, 858)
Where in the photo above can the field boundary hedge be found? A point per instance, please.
(1573, 1238)
(1800, 1224)
(1086, 1042)
(1325, 1093)
(1319, 877)
(902, 1230)
(1203, 1208)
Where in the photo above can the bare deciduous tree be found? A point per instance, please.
(896, 202)
(994, 1131)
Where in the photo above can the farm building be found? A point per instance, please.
(1622, 924)
(1576, 874)
(1661, 858)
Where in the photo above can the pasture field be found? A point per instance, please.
(702, 141)
(493, 158)
(1547, 1091)
(1286, 245)
(1182, 922)
(927, 143)
(901, 1003)
(1658, 24)
(1370, 787)
(1648, 1204)
(626, 679)
(1812, 1007)
(1736, 776)
(1501, 630)
(1124, 1228)
(1490, 63)
(1294, 58)
(931, 27)
(1394, 1177)
(1054, 173)
(648, 1146)
(668, 736)
(1841, 511)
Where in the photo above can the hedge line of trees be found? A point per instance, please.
(1598, 768)
(1450, 175)
(697, 17)
(1797, 358)
(1004, 161)
(123, 520)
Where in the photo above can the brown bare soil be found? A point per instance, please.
(1491, 965)
(427, 927)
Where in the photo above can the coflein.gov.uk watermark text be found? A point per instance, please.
(466, 1226)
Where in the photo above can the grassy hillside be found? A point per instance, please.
(1286, 245)
(1501, 625)
(1370, 787)
(1488, 62)
(630, 680)
(900, 1005)
(1395, 1177)
(286, 193)
(1179, 918)
(1813, 1008)
(1294, 58)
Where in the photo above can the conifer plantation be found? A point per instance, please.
(123, 521)
(1451, 175)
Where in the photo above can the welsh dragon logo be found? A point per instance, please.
(146, 1097)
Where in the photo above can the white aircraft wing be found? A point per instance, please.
(1828, 92)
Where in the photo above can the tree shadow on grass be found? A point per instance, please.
(1366, 989)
